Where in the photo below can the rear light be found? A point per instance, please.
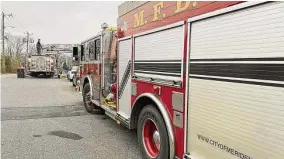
(51, 66)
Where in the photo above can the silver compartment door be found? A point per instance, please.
(124, 78)
(235, 99)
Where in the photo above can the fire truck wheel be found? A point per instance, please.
(152, 134)
(89, 105)
(74, 82)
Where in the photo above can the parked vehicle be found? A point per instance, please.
(76, 62)
(41, 65)
(71, 73)
(68, 75)
(76, 77)
(198, 80)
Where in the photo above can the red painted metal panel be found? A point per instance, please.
(156, 14)
(91, 69)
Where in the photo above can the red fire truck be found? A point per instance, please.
(198, 80)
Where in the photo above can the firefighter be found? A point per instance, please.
(38, 47)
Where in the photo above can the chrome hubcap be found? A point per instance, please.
(156, 138)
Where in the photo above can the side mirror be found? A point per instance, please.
(75, 53)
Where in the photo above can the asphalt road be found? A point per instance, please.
(45, 119)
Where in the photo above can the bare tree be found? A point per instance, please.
(32, 49)
(15, 45)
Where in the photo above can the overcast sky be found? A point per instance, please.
(60, 22)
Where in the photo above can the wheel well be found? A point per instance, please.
(137, 107)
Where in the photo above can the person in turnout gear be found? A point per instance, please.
(38, 47)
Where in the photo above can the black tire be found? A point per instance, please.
(74, 81)
(151, 113)
(32, 74)
(89, 106)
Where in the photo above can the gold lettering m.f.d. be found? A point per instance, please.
(139, 19)
(157, 10)
(181, 6)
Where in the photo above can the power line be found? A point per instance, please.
(7, 17)
(22, 30)
(25, 29)
(9, 31)
(9, 25)
(19, 26)
(19, 23)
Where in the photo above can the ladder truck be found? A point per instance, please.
(41, 65)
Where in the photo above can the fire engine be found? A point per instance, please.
(198, 80)
(41, 64)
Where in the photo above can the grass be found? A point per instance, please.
(11, 64)
(63, 76)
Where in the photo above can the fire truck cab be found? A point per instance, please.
(198, 80)
(97, 70)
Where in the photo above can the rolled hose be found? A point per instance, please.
(112, 88)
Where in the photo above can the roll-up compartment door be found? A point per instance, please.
(159, 54)
(236, 84)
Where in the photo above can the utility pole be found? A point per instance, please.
(28, 36)
(3, 54)
(3, 41)
(27, 40)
